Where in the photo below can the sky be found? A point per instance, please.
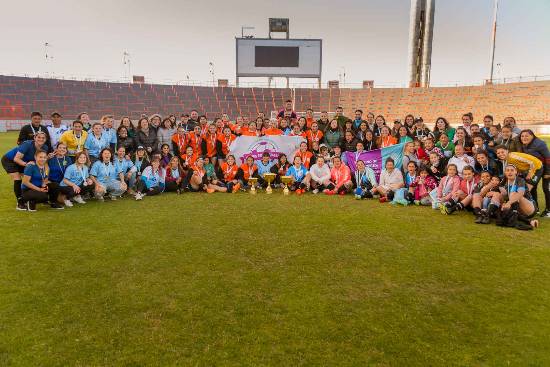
(171, 40)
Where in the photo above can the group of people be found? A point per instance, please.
(491, 169)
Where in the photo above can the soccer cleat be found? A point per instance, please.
(329, 192)
(78, 199)
(383, 199)
(237, 187)
(210, 191)
(299, 192)
(315, 191)
(68, 203)
(486, 219)
(545, 214)
(31, 206)
(358, 197)
(57, 206)
(21, 207)
(342, 193)
(113, 198)
(139, 196)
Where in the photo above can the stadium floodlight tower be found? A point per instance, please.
(278, 57)
(420, 42)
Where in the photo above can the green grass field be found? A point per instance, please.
(248, 280)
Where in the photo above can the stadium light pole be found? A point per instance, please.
(493, 42)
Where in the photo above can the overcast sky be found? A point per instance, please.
(170, 39)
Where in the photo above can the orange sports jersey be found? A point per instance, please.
(248, 171)
(273, 131)
(249, 133)
(189, 161)
(181, 142)
(309, 121)
(313, 136)
(195, 142)
(204, 130)
(210, 141)
(302, 134)
(306, 157)
(226, 142)
(229, 172)
(199, 171)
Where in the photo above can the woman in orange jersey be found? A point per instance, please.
(208, 146)
(189, 159)
(194, 140)
(251, 131)
(314, 134)
(179, 142)
(248, 169)
(228, 173)
(273, 129)
(196, 179)
(222, 144)
(304, 154)
(302, 123)
(385, 139)
(218, 122)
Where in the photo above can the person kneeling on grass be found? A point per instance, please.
(228, 172)
(340, 176)
(173, 180)
(196, 179)
(463, 197)
(423, 184)
(36, 184)
(151, 181)
(300, 176)
(391, 179)
(124, 166)
(517, 205)
(482, 197)
(448, 187)
(320, 175)
(247, 170)
(364, 179)
(76, 181)
(105, 177)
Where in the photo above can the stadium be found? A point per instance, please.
(157, 222)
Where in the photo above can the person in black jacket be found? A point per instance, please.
(123, 140)
(349, 143)
(27, 132)
(146, 136)
(534, 146)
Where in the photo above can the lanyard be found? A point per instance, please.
(180, 145)
(229, 170)
(43, 174)
(228, 141)
(447, 187)
(61, 166)
(107, 169)
(359, 177)
(386, 141)
(35, 131)
(81, 171)
(78, 142)
(468, 188)
(509, 187)
(298, 172)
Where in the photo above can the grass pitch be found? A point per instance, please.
(238, 279)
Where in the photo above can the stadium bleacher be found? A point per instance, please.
(529, 101)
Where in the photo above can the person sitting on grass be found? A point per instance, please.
(423, 185)
(76, 181)
(280, 168)
(36, 184)
(448, 187)
(173, 181)
(463, 198)
(461, 159)
(391, 179)
(517, 206)
(264, 166)
(151, 181)
(105, 178)
(125, 167)
(483, 163)
(320, 175)
(409, 180)
(214, 183)
(228, 172)
(247, 170)
(300, 176)
(483, 193)
(364, 180)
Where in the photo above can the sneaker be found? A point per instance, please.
(31, 206)
(545, 214)
(113, 198)
(178, 191)
(78, 199)
(342, 193)
(383, 199)
(210, 191)
(68, 203)
(139, 196)
(100, 198)
(299, 192)
(57, 206)
(357, 197)
(478, 219)
(236, 187)
(329, 192)
(486, 219)
(21, 206)
(316, 191)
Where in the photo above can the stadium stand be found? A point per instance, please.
(527, 101)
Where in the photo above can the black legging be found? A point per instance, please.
(142, 187)
(42, 197)
(69, 193)
(173, 186)
(539, 174)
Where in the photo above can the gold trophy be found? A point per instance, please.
(269, 177)
(253, 181)
(286, 180)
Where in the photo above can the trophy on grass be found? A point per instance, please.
(286, 180)
(253, 181)
(269, 177)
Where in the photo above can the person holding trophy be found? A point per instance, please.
(247, 171)
(300, 176)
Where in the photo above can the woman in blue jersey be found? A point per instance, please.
(124, 166)
(364, 180)
(36, 185)
(105, 177)
(96, 142)
(15, 161)
(76, 181)
(58, 165)
(151, 181)
(300, 176)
